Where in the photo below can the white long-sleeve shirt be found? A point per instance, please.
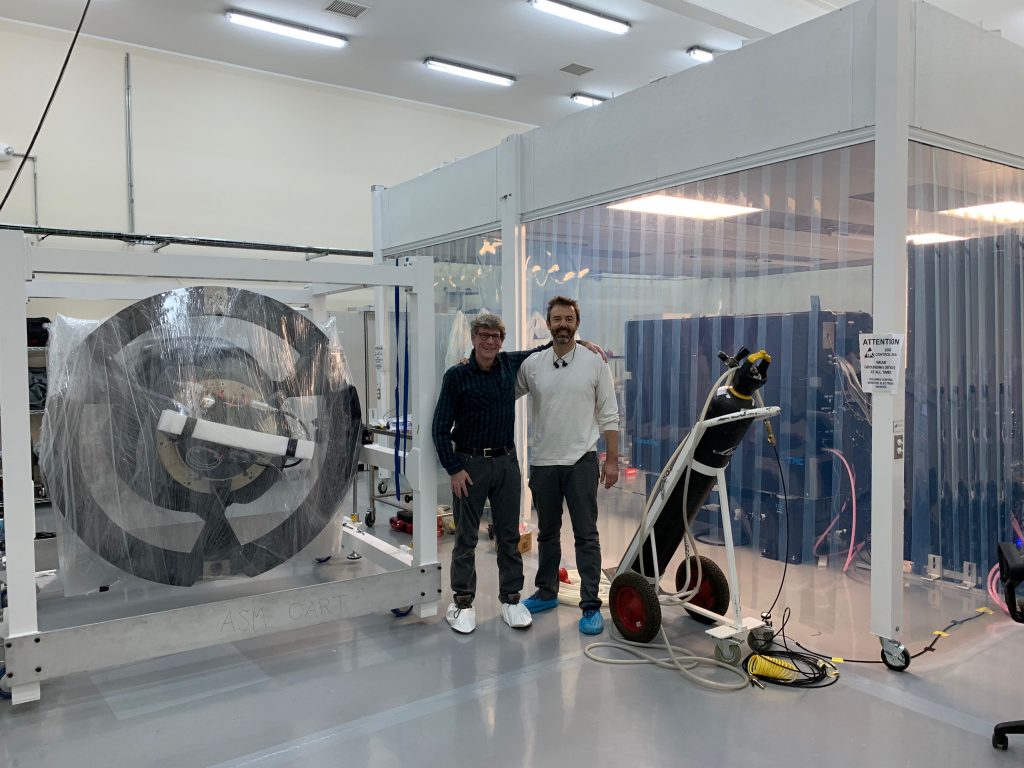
(570, 406)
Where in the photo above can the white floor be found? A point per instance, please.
(386, 691)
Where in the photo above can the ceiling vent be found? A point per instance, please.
(577, 69)
(342, 8)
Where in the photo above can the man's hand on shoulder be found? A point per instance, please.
(595, 349)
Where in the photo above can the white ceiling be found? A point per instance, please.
(389, 41)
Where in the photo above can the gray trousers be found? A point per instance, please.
(496, 479)
(577, 484)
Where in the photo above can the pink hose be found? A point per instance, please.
(853, 499)
(993, 588)
(830, 526)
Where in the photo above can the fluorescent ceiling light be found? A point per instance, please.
(586, 99)
(1008, 212)
(451, 68)
(581, 16)
(931, 238)
(669, 205)
(703, 55)
(307, 34)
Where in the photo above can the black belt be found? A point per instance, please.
(487, 452)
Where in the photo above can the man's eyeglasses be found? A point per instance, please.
(483, 336)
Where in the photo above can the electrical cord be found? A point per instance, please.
(46, 110)
(939, 634)
(778, 664)
(785, 505)
(679, 659)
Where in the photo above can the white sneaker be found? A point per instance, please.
(516, 615)
(461, 619)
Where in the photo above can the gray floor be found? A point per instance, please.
(381, 691)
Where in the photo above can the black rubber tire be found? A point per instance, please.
(713, 594)
(369, 519)
(634, 606)
(897, 665)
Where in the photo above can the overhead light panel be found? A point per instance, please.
(451, 68)
(703, 55)
(582, 16)
(670, 205)
(931, 238)
(586, 99)
(308, 34)
(1007, 212)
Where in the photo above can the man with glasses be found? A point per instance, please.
(476, 410)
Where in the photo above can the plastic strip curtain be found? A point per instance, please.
(965, 460)
(664, 293)
(467, 281)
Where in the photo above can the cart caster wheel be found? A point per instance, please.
(408, 498)
(321, 560)
(400, 612)
(635, 609)
(5, 692)
(490, 531)
(382, 486)
(760, 639)
(369, 519)
(897, 659)
(713, 593)
(1000, 741)
(728, 652)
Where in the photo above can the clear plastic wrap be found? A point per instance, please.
(201, 433)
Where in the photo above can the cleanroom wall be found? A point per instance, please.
(791, 273)
(965, 391)
(467, 282)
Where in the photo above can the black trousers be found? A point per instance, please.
(498, 480)
(577, 484)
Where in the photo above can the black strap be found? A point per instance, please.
(292, 445)
(189, 428)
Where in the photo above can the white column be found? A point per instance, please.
(318, 308)
(20, 616)
(424, 385)
(381, 298)
(894, 58)
(513, 286)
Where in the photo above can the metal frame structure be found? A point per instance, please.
(548, 171)
(412, 577)
(736, 627)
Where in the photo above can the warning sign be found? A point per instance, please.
(881, 358)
